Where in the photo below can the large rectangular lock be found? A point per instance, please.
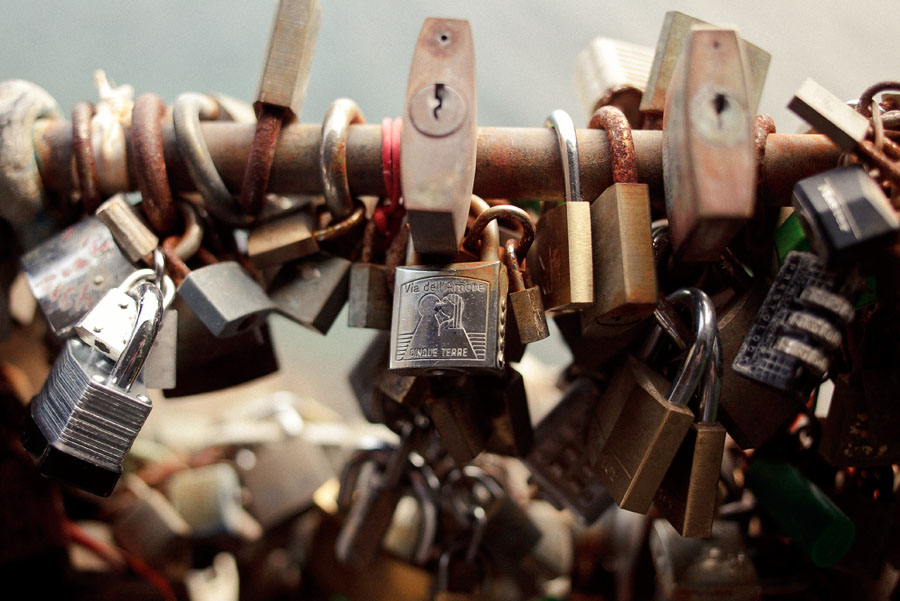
(449, 318)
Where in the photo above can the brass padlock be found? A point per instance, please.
(453, 407)
(561, 261)
(687, 495)
(638, 426)
(525, 304)
(451, 318)
(372, 284)
(504, 405)
(625, 289)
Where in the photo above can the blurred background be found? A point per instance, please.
(525, 57)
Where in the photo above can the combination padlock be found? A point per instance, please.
(451, 318)
(86, 417)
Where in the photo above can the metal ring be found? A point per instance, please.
(342, 228)
(133, 357)
(189, 108)
(560, 121)
(621, 143)
(189, 243)
(259, 161)
(159, 266)
(83, 151)
(510, 213)
(333, 155)
(863, 105)
(149, 162)
(166, 286)
(705, 327)
(488, 235)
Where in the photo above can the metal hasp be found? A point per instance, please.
(438, 151)
(709, 167)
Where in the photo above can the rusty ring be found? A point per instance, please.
(342, 228)
(262, 154)
(621, 143)
(83, 150)
(368, 242)
(176, 268)
(864, 104)
(513, 267)
(502, 213)
(149, 162)
(333, 155)
(763, 125)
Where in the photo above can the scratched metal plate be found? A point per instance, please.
(71, 271)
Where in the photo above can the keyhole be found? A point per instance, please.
(439, 97)
(720, 103)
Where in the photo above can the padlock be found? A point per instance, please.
(526, 309)
(370, 514)
(70, 272)
(504, 405)
(161, 367)
(798, 327)
(561, 261)
(639, 427)
(282, 239)
(108, 326)
(450, 587)
(829, 115)
(845, 215)
(205, 363)
(89, 411)
(709, 164)
(677, 27)
(687, 495)
(151, 527)
(438, 141)
(209, 499)
(451, 318)
(752, 414)
(135, 239)
(371, 284)
(613, 73)
(280, 487)
(312, 291)
(225, 298)
(625, 289)
(453, 407)
(719, 567)
(558, 462)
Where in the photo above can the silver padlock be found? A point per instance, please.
(451, 318)
(89, 411)
(226, 299)
(108, 325)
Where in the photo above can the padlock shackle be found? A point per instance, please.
(133, 357)
(516, 279)
(705, 328)
(560, 122)
(507, 213)
(712, 384)
(490, 234)
(333, 155)
(621, 144)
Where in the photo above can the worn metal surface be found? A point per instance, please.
(85, 165)
(621, 143)
(259, 163)
(516, 163)
(149, 164)
(134, 238)
(508, 213)
(333, 155)
(438, 151)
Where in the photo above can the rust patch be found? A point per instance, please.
(621, 143)
(150, 166)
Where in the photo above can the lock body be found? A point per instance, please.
(560, 259)
(449, 318)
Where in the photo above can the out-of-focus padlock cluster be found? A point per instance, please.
(727, 427)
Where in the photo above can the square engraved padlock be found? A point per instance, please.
(86, 417)
(451, 317)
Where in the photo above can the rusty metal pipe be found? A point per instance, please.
(513, 163)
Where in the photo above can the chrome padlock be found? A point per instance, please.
(89, 411)
(107, 327)
(451, 318)
(638, 428)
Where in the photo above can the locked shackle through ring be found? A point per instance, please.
(560, 122)
(704, 330)
(333, 155)
(508, 213)
(187, 111)
(166, 285)
(621, 143)
(149, 319)
(83, 152)
(712, 384)
(149, 163)
(488, 234)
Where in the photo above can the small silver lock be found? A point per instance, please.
(108, 325)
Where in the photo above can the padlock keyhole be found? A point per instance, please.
(721, 103)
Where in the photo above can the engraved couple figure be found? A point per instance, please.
(441, 326)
